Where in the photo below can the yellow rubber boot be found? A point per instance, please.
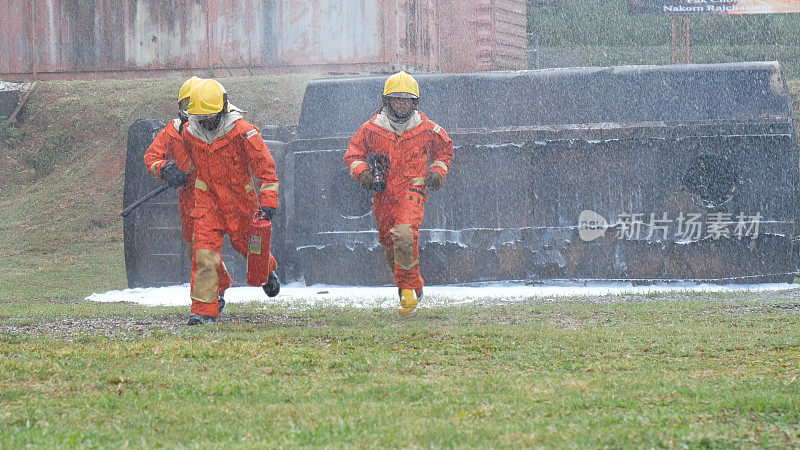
(408, 302)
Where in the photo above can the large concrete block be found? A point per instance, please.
(9, 100)
(534, 149)
(652, 151)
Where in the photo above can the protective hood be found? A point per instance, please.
(226, 124)
(389, 122)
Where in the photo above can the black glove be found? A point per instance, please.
(365, 178)
(174, 177)
(268, 212)
(434, 180)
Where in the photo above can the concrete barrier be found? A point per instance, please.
(9, 99)
(639, 173)
(648, 151)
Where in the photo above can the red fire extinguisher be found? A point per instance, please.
(258, 256)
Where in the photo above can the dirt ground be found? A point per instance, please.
(121, 326)
(129, 327)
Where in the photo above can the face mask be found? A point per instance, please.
(212, 123)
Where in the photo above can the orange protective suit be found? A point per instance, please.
(168, 145)
(225, 201)
(399, 209)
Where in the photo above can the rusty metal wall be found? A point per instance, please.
(483, 35)
(510, 34)
(52, 36)
(326, 32)
(105, 38)
(15, 35)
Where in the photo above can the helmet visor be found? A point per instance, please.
(401, 95)
(209, 121)
(202, 117)
(183, 104)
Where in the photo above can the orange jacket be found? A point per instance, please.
(167, 145)
(408, 154)
(224, 167)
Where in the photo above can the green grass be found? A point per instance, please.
(602, 33)
(696, 373)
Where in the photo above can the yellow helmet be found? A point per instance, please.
(401, 84)
(208, 97)
(187, 87)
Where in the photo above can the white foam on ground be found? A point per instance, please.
(302, 296)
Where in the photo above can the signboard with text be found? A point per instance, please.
(691, 7)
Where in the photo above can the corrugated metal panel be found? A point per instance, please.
(510, 34)
(458, 36)
(105, 35)
(52, 38)
(238, 32)
(418, 42)
(15, 36)
(320, 32)
(483, 35)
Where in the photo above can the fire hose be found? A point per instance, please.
(143, 200)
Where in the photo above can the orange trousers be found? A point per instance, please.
(209, 232)
(398, 233)
(185, 206)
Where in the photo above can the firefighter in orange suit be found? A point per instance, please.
(409, 140)
(226, 152)
(167, 159)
